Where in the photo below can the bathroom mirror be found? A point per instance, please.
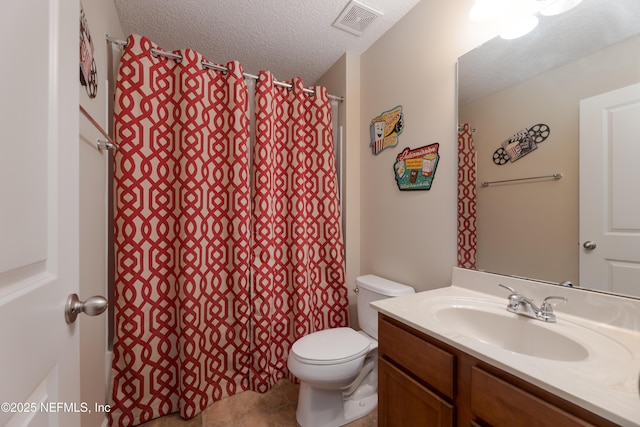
(531, 228)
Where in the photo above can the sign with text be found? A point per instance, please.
(415, 169)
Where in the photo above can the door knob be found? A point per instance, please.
(93, 306)
(589, 245)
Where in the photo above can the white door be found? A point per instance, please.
(610, 191)
(39, 370)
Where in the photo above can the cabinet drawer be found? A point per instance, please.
(426, 362)
(500, 403)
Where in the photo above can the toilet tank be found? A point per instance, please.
(372, 288)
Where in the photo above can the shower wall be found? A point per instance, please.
(343, 78)
(102, 19)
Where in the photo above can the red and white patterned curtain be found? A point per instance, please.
(298, 255)
(204, 308)
(182, 240)
(467, 242)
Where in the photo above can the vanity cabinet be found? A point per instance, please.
(413, 404)
(424, 382)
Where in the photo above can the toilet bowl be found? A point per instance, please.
(338, 368)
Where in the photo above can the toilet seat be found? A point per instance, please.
(330, 347)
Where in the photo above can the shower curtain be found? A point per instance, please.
(298, 255)
(467, 242)
(190, 328)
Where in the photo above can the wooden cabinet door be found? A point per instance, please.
(500, 404)
(405, 402)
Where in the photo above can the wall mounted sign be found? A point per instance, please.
(385, 129)
(521, 143)
(415, 169)
(88, 69)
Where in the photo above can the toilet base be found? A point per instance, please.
(354, 409)
(328, 408)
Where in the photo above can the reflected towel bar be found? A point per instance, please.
(102, 145)
(555, 176)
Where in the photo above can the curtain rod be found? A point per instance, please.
(209, 65)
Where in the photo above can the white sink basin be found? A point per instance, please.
(518, 334)
(489, 323)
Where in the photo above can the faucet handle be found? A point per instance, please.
(546, 306)
(546, 309)
(509, 288)
(514, 297)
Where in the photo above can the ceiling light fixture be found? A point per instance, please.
(483, 10)
(520, 15)
(520, 27)
(559, 6)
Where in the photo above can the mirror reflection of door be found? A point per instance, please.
(609, 191)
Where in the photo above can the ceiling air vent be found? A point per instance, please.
(355, 17)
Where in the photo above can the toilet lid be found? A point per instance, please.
(330, 346)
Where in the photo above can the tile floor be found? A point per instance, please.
(276, 408)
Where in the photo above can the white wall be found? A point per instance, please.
(102, 19)
(411, 236)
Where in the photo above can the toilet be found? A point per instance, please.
(338, 368)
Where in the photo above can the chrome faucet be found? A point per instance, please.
(519, 304)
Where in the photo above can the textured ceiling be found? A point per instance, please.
(592, 26)
(288, 37)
